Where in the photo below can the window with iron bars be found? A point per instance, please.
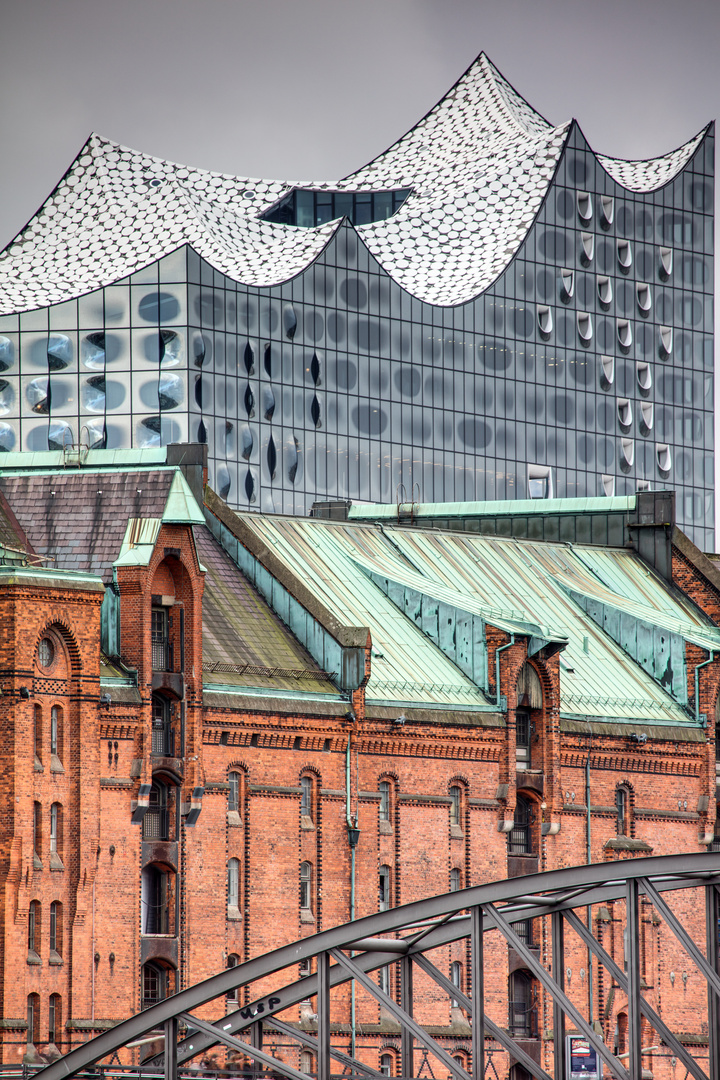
(520, 839)
(523, 1010)
(161, 651)
(163, 735)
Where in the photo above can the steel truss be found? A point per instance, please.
(356, 949)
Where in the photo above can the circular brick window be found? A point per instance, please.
(46, 652)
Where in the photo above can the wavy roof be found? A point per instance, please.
(479, 164)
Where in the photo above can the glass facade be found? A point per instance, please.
(585, 369)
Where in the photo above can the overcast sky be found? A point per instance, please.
(306, 89)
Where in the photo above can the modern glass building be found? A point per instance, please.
(488, 310)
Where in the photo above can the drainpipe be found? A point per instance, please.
(353, 835)
(497, 667)
(697, 687)
(588, 910)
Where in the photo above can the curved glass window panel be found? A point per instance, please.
(664, 457)
(584, 206)
(249, 401)
(647, 416)
(605, 291)
(584, 326)
(8, 438)
(644, 297)
(315, 414)
(59, 352)
(315, 369)
(607, 211)
(624, 333)
(666, 263)
(268, 403)
(624, 255)
(60, 435)
(607, 374)
(171, 390)
(567, 287)
(148, 431)
(624, 412)
(249, 486)
(92, 349)
(158, 307)
(608, 483)
(170, 348)
(627, 448)
(199, 349)
(94, 434)
(292, 457)
(306, 209)
(7, 353)
(38, 395)
(666, 342)
(271, 457)
(93, 393)
(644, 376)
(545, 319)
(7, 396)
(249, 359)
(289, 322)
(246, 442)
(588, 248)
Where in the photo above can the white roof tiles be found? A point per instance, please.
(479, 165)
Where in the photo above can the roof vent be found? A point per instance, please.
(607, 211)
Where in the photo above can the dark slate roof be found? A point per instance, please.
(244, 642)
(80, 517)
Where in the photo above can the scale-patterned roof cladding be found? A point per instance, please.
(478, 165)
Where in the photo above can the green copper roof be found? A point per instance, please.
(181, 507)
(93, 460)
(389, 511)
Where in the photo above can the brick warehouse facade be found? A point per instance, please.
(186, 693)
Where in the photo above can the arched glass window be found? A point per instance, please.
(384, 788)
(232, 961)
(156, 823)
(384, 888)
(33, 1019)
(234, 793)
(306, 886)
(520, 842)
(34, 927)
(233, 883)
(622, 808)
(307, 1063)
(522, 740)
(523, 1012)
(163, 735)
(386, 1064)
(155, 985)
(383, 978)
(37, 732)
(56, 828)
(37, 832)
(456, 978)
(455, 796)
(454, 880)
(56, 732)
(306, 797)
(56, 927)
(55, 1019)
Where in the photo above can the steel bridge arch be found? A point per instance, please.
(359, 948)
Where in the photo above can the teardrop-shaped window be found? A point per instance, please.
(584, 206)
(644, 376)
(268, 403)
(249, 359)
(666, 342)
(605, 292)
(199, 391)
(664, 457)
(567, 285)
(267, 360)
(628, 450)
(666, 263)
(315, 411)
(624, 333)
(249, 401)
(624, 411)
(271, 457)
(249, 487)
(545, 319)
(588, 248)
(607, 207)
(607, 375)
(624, 255)
(585, 327)
(315, 369)
(202, 432)
(59, 352)
(289, 321)
(644, 297)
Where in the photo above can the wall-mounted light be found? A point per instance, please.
(353, 837)
(24, 693)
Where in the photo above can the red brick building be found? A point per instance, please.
(197, 705)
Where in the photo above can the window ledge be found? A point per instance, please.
(56, 764)
(234, 914)
(56, 862)
(37, 861)
(306, 916)
(385, 828)
(456, 832)
(33, 958)
(233, 819)
(38, 765)
(307, 823)
(56, 959)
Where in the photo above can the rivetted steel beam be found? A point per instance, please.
(616, 1067)
(646, 1009)
(171, 1035)
(312, 1044)
(323, 1011)
(712, 919)
(246, 1048)
(497, 1033)
(477, 983)
(401, 1016)
(407, 1041)
(558, 970)
(632, 937)
(680, 933)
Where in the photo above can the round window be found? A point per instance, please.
(46, 652)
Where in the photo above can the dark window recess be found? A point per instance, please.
(163, 735)
(156, 822)
(155, 985)
(524, 931)
(523, 1010)
(155, 901)
(309, 208)
(621, 806)
(520, 836)
(523, 729)
(161, 647)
